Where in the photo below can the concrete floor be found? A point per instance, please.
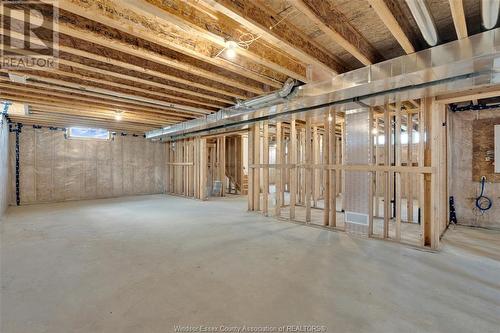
(145, 264)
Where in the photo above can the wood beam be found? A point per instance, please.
(201, 21)
(386, 14)
(84, 92)
(68, 54)
(114, 41)
(336, 26)
(469, 94)
(70, 107)
(457, 12)
(110, 101)
(105, 104)
(154, 57)
(68, 121)
(118, 17)
(285, 36)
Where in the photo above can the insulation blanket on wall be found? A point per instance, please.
(53, 168)
(4, 170)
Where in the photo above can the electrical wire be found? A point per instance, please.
(246, 39)
(483, 203)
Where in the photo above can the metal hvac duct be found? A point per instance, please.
(489, 13)
(240, 108)
(265, 100)
(424, 20)
(455, 66)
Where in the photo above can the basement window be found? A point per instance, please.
(88, 133)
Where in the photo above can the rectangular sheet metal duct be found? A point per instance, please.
(455, 66)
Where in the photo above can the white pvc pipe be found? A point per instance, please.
(489, 13)
(424, 20)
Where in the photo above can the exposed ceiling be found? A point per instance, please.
(159, 62)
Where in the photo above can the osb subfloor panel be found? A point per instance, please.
(145, 264)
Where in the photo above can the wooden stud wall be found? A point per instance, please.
(401, 170)
(309, 166)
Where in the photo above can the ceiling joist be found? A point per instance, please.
(386, 14)
(283, 35)
(336, 26)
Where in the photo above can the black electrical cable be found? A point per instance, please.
(483, 203)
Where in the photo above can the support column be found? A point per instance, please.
(397, 195)
(265, 170)
(293, 171)
(251, 143)
(334, 158)
(278, 172)
(203, 168)
(387, 162)
(326, 171)
(309, 170)
(256, 171)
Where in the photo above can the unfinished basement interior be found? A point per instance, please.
(235, 166)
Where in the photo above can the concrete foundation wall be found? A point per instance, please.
(4, 164)
(53, 168)
(461, 185)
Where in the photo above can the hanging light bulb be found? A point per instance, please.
(118, 115)
(330, 118)
(231, 47)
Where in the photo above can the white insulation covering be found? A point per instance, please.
(4, 170)
(53, 168)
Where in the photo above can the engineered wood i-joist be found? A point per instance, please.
(287, 37)
(386, 15)
(129, 22)
(333, 23)
(201, 21)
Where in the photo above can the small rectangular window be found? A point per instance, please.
(88, 133)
